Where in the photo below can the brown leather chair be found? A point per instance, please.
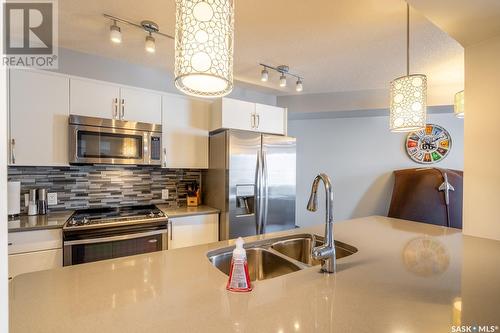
(417, 196)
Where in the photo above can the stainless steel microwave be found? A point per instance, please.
(109, 141)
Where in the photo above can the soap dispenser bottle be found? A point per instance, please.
(239, 279)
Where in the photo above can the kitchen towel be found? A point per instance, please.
(14, 198)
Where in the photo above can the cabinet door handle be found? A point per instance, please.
(10, 278)
(123, 109)
(12, 151)
(164, 157)
(257, 116)
(115, 108)
(171, 229)
(252, 120)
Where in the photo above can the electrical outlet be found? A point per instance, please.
(164, 194)
(52, 199)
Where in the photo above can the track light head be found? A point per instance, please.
(299, 87)
(264, 75)
(115, 33)
(150, 45)
(282, 80)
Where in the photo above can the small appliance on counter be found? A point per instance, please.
(36, 201)
(32, 203)
(14, 198)
(42, 203)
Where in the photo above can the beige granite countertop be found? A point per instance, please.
(187, 211)
(52, 220)
(406, 277)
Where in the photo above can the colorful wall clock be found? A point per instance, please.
(429, 145)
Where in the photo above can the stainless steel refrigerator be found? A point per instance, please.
(251, 179)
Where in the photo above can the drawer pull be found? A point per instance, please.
(10, 278)
(152, 240)
(9, 244)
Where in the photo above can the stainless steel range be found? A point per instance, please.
(106, 233)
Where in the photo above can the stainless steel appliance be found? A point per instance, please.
(251, 179)
(110, 141)
(106, 233)
(42, 203)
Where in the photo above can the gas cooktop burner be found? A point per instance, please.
(109, 216)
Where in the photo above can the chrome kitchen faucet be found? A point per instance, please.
(326, 252)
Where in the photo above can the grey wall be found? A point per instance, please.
(122, 72)
(360, 155)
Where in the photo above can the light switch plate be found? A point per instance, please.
(52, 199)
(164, 194)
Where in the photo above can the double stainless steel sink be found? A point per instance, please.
(277, 256)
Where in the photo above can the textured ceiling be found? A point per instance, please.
(468, 21)
(340, 45)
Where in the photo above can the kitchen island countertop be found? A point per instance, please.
(405, 277)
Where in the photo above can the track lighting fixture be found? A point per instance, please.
(115, 33)
(149, 27)
(284, 70)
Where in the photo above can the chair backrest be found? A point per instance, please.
(416, 196)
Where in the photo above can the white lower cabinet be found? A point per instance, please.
(193, 230)
(31, 251)
(34, 261)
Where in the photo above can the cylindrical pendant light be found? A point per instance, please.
(459, 104)
(204, 47)
(408, 95)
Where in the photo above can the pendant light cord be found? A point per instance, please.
(407, 39)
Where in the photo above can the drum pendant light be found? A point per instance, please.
(408, 95)
(204, 33)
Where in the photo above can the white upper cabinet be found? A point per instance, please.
(38, 116)
(94, 99)
(270, 119)
(232, 113)
(140, 105)
(106, 100)
(185, 132)
(235, 114)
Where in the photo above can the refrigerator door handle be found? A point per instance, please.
(258, 186)
(265, 191)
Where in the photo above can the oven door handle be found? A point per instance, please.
(115, 238)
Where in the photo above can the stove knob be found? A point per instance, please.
(160, 214)
(152, 214)
(72, 222)
(85, 220)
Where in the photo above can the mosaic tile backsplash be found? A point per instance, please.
(90, 186)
